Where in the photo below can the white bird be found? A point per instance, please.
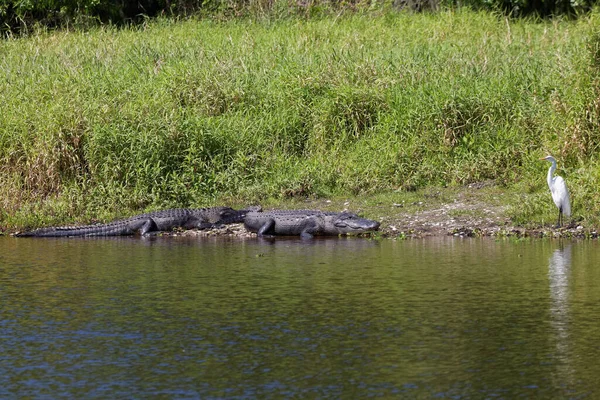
(558, 188)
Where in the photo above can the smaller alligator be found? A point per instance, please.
(150, 223)
(307, 223)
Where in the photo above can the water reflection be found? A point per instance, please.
(559, 271)
(328, 318)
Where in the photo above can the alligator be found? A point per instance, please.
(150, 223)
(307, 223)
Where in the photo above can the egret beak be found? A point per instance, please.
(543, 159)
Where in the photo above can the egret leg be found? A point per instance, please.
(561, 219)
(559, 224)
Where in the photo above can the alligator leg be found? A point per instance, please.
(198, 223)
(309, 231)
(306, 235)
(270, 224)
(149, 228)
(208, 225)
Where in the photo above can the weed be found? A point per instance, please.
(199, 111)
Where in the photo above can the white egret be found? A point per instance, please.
(558, 188)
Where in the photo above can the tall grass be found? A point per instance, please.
(195, 112)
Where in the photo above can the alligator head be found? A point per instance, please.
(349, 223)
(228, 215)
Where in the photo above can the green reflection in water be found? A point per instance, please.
(350, 317)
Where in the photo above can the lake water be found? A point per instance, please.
(328, 318)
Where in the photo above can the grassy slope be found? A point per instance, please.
(111, 122)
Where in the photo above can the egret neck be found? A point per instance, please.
(551, 173)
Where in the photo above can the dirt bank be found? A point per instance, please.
(475, 210)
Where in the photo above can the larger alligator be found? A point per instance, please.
(149, 223)
(307, 223)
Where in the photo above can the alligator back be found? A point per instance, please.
(281, 222)
(145, 223)
(307, 223)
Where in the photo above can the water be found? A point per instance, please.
(337, 318)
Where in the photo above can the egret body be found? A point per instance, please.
(558, 188)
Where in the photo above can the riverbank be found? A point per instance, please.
(108, 122)
(477, 210)
(483, 209)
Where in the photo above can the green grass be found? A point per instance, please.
(111, 121)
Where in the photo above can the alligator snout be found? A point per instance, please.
(373, 226)
(366, 225)
(353, 223)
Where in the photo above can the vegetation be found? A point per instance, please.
(17, 16)
(107, 121)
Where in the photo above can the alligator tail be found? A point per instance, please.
(64, 231)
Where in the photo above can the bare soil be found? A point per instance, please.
(475, 210)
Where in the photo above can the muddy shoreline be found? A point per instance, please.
(426, 230)
(431, 223)
(476, 210)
